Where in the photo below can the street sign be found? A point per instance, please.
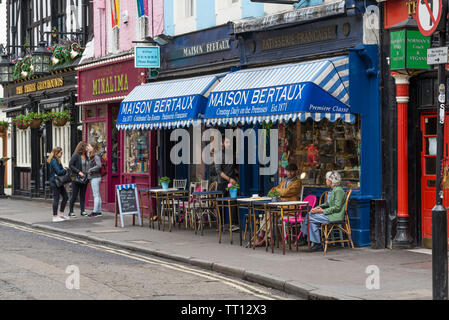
(437, 55)
(428, 15)
(147, 57)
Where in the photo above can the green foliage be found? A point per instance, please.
(4, 124)
(232, 186)
(273, 193)
(164, 179)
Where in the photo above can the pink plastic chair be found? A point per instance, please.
(298, 219)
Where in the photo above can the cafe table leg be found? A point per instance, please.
(230, 220)
(271, 230)
(251, 244)
(308, 232)
(219, 219)
(158, 212)
(255, 224)
(266, 232)
(282, 230)
(238, 215)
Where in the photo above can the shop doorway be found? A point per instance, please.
(428, 172)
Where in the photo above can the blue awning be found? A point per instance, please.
(316, 89)
(165, 104)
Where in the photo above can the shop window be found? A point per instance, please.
(61, 138)
(24, 148)
(317, 147)
(96, 132)
(136, 151)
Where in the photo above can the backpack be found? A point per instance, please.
(104, 167)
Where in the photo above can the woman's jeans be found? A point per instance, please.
(95, 185)
(315, 221)
(56, 193)
(78, 188)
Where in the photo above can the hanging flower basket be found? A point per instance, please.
(35, 124)
(23, 126)
(59, 122)
(4, 125)
(59, 119)
(21, 122)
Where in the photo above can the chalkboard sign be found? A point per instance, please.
(127, 202)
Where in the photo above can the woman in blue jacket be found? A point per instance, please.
(56, 169)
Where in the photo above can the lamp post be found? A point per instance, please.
(41, 59)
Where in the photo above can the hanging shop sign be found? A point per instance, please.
(147, 57)
(408, 50)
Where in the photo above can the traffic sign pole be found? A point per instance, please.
(439, 214)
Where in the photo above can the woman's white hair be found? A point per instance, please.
(334, 177)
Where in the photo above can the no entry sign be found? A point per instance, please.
(428, 15)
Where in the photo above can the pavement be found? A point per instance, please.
(342, 273)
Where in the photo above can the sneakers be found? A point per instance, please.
(316, 247)
(95, 214)
(235, 228)
(84, 214)
(57, 219)
(71, 215)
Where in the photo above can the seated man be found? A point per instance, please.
(289, 190)
(332, 210)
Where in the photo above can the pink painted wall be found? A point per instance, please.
(128, 31)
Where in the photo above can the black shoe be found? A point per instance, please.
(92, 215)
(302, 242)
(84, 214)
(71, 215)
(316, 247)
(98, 214)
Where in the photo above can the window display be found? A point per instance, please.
(136, 151)
(96, 132)
(317, 147)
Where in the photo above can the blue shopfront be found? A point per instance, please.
(318, 84)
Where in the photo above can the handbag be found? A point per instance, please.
(80, 180)
(62, 180)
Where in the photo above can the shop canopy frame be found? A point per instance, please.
(166, 104)
(316, 89)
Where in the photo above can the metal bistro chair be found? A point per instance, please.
(207, 206)
(343, 225)
(180, 183)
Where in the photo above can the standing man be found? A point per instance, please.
(227, 173)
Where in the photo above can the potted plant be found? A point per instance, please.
(4, 125)
(164, 181)
(21, 122)
(59, 119)
(232, 188)
(274, 195)
(34, 119)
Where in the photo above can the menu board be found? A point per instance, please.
(127, 202)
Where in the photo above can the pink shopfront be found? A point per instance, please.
(102, 85)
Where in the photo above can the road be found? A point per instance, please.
(37, 264)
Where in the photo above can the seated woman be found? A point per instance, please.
(332, 210)
(289, 190)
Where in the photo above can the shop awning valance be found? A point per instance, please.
(165, 104)
(316, 89)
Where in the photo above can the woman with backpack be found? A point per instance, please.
(79, 166)
(54, 160)
(94, 174)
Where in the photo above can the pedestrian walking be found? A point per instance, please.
(79, 166)
(54, 160)
(94, 175)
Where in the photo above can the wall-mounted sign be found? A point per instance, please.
(428, 15)
(408, 50)
(293, 39)
(108, 81)
(204, 48)
(40, 85)
(147, 57)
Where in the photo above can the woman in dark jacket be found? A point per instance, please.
(56, 168)
(79, 165)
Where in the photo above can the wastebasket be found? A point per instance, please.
(378, 223)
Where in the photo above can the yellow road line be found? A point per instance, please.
(246, 288)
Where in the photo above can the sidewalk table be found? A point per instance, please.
(251, 213)
(204, 196)
(162, 194)
(227, 202)
(279, 208)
